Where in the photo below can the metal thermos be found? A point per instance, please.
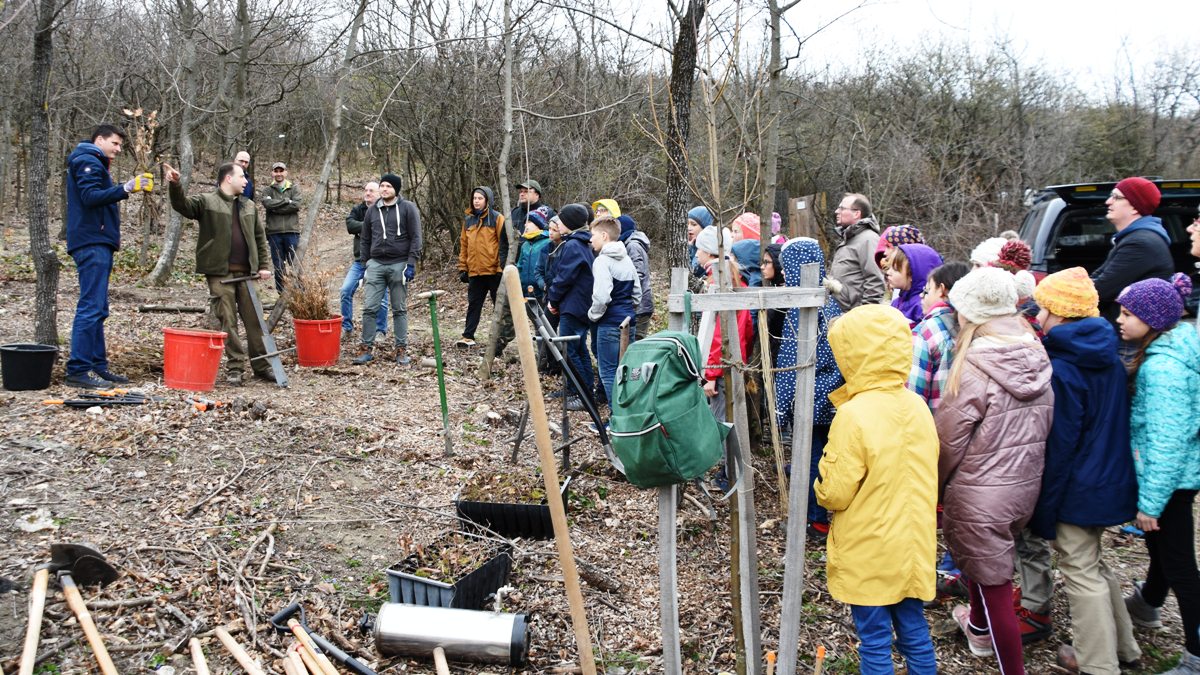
(465, 635)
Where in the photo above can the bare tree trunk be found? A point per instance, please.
(5, 162)
(331, 154)
(771, 156)
(237, 107)
(174, 231)
(510, 229)
(683, 78)
(45, 262)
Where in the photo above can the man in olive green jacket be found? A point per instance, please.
(281, 200)
(225, 252)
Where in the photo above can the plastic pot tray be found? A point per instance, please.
(470, 591)
(531, 521)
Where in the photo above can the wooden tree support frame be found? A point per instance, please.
(809, 298)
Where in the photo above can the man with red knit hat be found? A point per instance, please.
(1140, 247)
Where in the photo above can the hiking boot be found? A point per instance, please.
(465, 343)
(112, 377)
(1034, 626)
(1189, 664)
(402, 357)
(818, 532)
(1140, 611)
(88, 380)
(980, 641)
(574, 403)
(364, 356)
(234, 378)
(1068, 660)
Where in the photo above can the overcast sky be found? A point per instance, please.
(1083, 38)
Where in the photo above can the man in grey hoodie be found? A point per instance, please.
(391, 245)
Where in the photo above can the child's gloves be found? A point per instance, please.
(143, 182)
(409, 273)
(833, 285)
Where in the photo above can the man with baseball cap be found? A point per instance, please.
(529, 199)
(281, 200)
(1140, 247)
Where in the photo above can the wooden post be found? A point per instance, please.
(541, 427)
(668, 596)
(802, 410)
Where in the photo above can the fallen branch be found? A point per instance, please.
(179, 309)
(192, 511)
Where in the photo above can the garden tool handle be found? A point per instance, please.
(439, 661)
(198, 660)
(429, 294)
(37, 604)
(77, 605)
(306, 641)
(239, 653)
(238, 280)
(340, 656)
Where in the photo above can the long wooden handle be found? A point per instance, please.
(295, 659)
(75, 601)
(541, 427)
(198, 660)
(37, 604)
(305, 641)
(242, 656)
(439, 661)
(311, 667)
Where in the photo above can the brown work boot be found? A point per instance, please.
(402, 357)
(234, 378)
(364, 355)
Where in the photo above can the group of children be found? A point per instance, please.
(1011, 406)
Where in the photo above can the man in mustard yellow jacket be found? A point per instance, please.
(878, 478)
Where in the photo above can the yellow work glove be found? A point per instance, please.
(143, 182)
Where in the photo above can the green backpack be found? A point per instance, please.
(661, 427)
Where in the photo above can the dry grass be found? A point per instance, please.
(308, 289)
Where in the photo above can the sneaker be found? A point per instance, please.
(574, 403)
(1140, 611)
(465, 343)
(556, 394)
(1034, 626)
(1189, 664)
(402, 356)
(364, 356)
(112, 377)
(234, 378)
(980, 642)
(951, 585)
(818, 532)
(88, 380)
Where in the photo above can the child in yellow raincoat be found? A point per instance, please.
(879, 482)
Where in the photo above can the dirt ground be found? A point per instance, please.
(309, 493)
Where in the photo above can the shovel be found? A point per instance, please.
(71, 561)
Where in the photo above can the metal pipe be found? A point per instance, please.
(466, 635)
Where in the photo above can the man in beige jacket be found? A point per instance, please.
(854, 279)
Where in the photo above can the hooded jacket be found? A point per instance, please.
(853, 264)
(1089, 479)
(616, 290)
(921, 261)
(482, 240)
(993, 442)
(531, 263)
(281, 201)
(213, 211)
(1163, 423)
(614, 210)
(795, 254)
(93, 208)
(354, 225)
(1140, 251)
(570, 291)
(879, 466)
(637, 245)
(392, 234)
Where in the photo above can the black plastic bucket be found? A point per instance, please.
(27, 366)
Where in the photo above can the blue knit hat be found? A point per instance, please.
(628, 227)
(1157, 302)
(701, 215)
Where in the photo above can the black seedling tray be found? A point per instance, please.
(470, 591)
(531, 521)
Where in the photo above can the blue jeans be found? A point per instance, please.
(389, 278)
(608, 353)
(283, 251)
(875, 626)
(349, 288)
(820, 437)
(577, 350)
(88, 351)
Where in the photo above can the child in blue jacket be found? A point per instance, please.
(569, 294)
(1088, 482)
(1165, 377)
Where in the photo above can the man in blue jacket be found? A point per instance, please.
(1140, 248)
(93, 236)
(1089, 481)
(570, 294)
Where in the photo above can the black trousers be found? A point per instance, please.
(1173, 565)
(478, 289)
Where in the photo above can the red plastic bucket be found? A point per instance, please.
(318, 342)
(191, 358)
